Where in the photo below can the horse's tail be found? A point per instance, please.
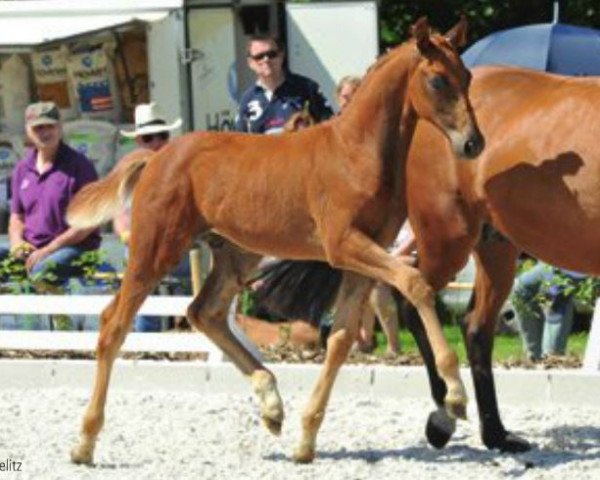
(298, 289)
(99, 201)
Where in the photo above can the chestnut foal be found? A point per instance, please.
(332, 192)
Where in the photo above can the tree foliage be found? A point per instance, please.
(485, 16)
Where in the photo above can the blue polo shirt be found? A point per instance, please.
(42, 200)
(260, 114)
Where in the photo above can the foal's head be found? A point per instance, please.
(439, 86)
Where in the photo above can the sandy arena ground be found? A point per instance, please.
(161, 435)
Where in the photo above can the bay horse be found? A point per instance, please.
(333, 192)
(537, 183)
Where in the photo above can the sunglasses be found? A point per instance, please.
(270, 54)
(151, 136)
(44, 126)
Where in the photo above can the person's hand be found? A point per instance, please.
(22, 250)
(124, 236)
(35, 257)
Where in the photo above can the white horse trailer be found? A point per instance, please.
(196, 59)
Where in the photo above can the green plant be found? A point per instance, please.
(584, 292)
(14, 275)
(247, 304)
(16, 280)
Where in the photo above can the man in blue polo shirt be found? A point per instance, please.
(277, 94)
(43, 183)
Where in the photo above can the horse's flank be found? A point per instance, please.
(546, 172)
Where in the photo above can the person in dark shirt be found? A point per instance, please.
(277, 94)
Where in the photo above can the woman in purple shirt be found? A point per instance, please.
(43, 183)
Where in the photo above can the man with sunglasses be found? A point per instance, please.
(151, 129)
(277, 94)
(152, 132)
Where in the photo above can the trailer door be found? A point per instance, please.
(327, 41)
(212, 57)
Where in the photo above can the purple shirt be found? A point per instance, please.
(42, 200)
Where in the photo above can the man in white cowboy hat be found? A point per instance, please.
(152, 132)
(151, 129)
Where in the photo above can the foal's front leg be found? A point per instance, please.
(359, 253)
(350, 305)
(440, 425)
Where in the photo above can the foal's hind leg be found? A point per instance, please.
(350, 305)
(208, 313)
(382, 303)
(155, 248)
(116, 322)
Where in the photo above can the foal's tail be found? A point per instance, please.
(98, 202)
(298, 289)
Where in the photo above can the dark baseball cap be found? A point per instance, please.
(41, 113)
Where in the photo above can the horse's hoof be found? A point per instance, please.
(456, 408)
(273, 425)
(272, 416)
(508, 443)
(440, 428)
(82, 455)
(304, 454)
(271, 406)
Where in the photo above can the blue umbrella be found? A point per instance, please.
(551, 47)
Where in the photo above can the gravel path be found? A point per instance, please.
(161, 435)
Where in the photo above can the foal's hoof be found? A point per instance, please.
(304, 454)
(507, 442)
(456, 407)
(82, 455)
(272, 413)
(440, 428)
(273, 424)
(271, 406)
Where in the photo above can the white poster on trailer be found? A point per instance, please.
(327, 41)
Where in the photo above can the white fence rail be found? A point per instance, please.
(93, 305)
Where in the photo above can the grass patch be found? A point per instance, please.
(506, 347)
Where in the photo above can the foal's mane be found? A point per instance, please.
(382, 60)
(391, 54)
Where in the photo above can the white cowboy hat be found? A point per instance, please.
(148, 120)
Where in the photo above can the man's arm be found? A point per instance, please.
(16, 223)
(241, 120)
(240, 123)
(19, 248)
(16, 226)
(71, 236)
